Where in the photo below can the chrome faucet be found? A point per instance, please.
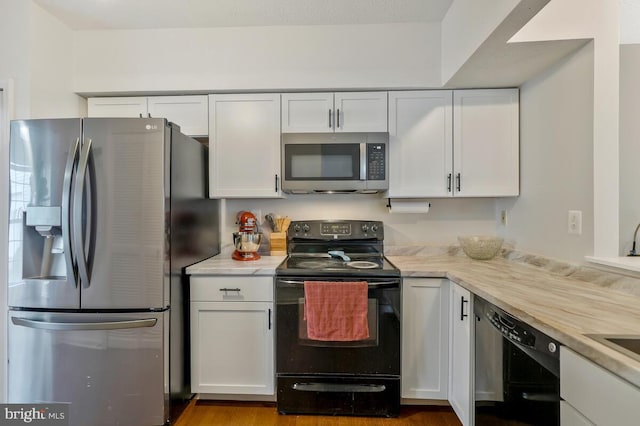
(633, 246)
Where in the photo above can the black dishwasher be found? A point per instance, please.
(516, 371)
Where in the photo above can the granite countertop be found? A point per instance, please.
(563, 307)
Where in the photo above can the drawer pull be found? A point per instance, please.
(230, 289)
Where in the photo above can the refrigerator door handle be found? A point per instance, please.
(84, 326)
(66, 212)
(78, 236)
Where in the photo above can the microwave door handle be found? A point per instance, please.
(363, 161)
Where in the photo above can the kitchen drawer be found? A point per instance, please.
(231, 289)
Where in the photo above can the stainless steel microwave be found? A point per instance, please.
(335, 163)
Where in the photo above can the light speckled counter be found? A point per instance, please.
(223, 264)
(563, 307)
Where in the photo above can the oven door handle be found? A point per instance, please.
(377, 284)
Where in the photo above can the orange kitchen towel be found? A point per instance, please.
(336, 311)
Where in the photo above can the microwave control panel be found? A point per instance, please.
(376, 161)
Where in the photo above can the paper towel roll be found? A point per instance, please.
(408, 206)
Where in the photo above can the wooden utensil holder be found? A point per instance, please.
(278, 244)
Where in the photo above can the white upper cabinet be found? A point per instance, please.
(361, 112)
(420, 143)
(117, 107)
(334, 112)
(486, 143)
(461, 143)
(244, 146)
(307, 112)
(188, 112)
(191, 113)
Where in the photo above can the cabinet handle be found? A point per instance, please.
(149, 115)
(276, 182)
(462, 314)
(338, 119)
(269, 319)
(458, 179)
(449, 182)
(230, 289)
(140, 115)
(330, 119)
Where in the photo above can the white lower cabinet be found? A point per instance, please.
(232, 335)
(460, 353)
(425, 306)
(597, 395)
(569, 416)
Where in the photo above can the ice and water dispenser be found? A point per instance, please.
(43, 256)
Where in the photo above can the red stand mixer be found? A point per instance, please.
(247, 239)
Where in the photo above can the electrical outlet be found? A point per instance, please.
(503, 217)
(575, 222)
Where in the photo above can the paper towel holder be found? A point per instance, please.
(389, 204)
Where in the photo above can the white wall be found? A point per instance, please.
(597, 20)
(15, 62)
(466, 26)
(446, 219)
(258, 58)
(629, 144)
(556, 161)
(51, 68)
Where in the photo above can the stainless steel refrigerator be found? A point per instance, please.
(105, 215)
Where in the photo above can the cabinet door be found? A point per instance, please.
(232, 348)
(599, 395)
(486, 143)
(244, 146)
(117, 107)
(307, 113)
(460, 344)
(420, 143)
(569, 416)
(191, 113)
(360, 112)
(424, 338)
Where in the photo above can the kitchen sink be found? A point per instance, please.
(627, 344)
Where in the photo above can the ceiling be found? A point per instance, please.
(146, 14)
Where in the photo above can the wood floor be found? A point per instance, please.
(207, 413)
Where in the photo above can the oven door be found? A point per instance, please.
(296, 353)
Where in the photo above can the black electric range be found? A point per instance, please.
(358, 377)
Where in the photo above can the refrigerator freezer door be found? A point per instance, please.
(43, 157)
(125, 204)
(111, 369)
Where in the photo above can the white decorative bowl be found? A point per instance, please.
(480, 247)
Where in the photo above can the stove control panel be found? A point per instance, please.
(336, 230)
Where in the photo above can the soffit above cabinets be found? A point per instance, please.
(147, 14)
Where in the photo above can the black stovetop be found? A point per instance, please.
(309, 248)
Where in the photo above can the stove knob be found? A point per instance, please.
(364, 228)
(305, 228)
(296, 227)
(374, 228)
(552, 347)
